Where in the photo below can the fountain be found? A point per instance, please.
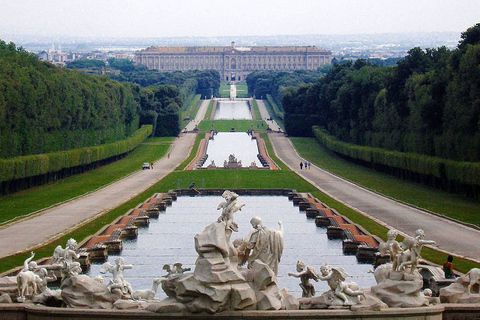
(242, 275)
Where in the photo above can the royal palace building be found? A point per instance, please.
(233, 63)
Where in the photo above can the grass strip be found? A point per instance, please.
(208, 114)
(258, 115)
(190, 110)
(438, 201)
(193, 153)
(34, 199)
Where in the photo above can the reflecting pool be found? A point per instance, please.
(232, 110)
(169, 239)
(224, 144)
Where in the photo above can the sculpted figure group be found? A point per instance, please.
(220, 262)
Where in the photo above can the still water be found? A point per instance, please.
(169, 239)
(239, 144)
(232, 110)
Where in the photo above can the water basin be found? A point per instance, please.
(232, 110)
(169, 239)
(224, 144)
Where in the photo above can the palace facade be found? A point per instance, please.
(233, 63)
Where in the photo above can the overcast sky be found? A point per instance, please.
(171, 18)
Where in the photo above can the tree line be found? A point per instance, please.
(44, 108)
(429, 103)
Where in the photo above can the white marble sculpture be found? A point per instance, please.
(465, 289)
(412, 247)
(118, 282)
(27, 280)
(392, 247)
(335, 278)
(305, 273)
(147, 294)
(68, 254)
(264, 244)
(229, 207)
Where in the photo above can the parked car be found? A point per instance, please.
(146, 165)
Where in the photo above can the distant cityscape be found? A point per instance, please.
(63, 49)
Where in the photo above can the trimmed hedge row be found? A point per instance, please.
(465, 173)
(275, 107)
(40, 164)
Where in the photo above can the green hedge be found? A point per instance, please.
(467, 173)
(275, 107)
(35, 165)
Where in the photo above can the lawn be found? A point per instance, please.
(242, 90)
(31, 200)
(224, 89)
(441, 202)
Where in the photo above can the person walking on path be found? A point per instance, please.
(301, 165)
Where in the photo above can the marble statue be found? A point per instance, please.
(412, 248)
(465, 289)
(68, 254)
(44, 278)
(392, 247)
(27, 280)
(148, 294)
(473, 277)
(229, 207)
(305, 274)
(264, 244)
(335, 278)
(117, 281)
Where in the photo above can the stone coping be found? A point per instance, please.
(30, 311)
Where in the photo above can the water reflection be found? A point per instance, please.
(169, 239)
(232, 110)
(240, 144)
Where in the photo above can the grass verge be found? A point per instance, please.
(441, 202)
(258, 115)
(34, 199)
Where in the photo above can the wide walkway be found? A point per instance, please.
(265, 115)
(27, 234)
(450, 236)
(198, 117)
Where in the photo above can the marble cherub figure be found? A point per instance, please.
(392, 247)
(413, 247)
(305, 274)
(117, 281)
(229, 207)
(335, 278)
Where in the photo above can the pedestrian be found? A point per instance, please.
(151, 165)
(309, 164)
(448, 268)
(168, 155)
(306, 165)
(301, 165)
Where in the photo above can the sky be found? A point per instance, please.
(210, 18)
